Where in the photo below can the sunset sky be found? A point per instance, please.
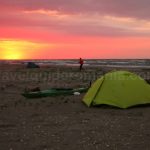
(58, 29)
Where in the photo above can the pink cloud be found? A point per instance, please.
(134, 8)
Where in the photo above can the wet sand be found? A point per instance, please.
(64, 122)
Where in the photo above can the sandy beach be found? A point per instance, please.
(64, 122)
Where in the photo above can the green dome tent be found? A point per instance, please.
(120, 89)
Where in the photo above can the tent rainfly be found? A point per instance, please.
(121, 89)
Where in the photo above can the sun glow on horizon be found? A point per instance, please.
(10, 49)
(12, 55)
(18, 49)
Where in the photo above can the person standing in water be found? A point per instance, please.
(81, 63)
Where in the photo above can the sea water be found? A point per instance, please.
(87, 62)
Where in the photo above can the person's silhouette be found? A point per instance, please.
(81, 63)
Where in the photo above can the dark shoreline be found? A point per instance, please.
(64, 122)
